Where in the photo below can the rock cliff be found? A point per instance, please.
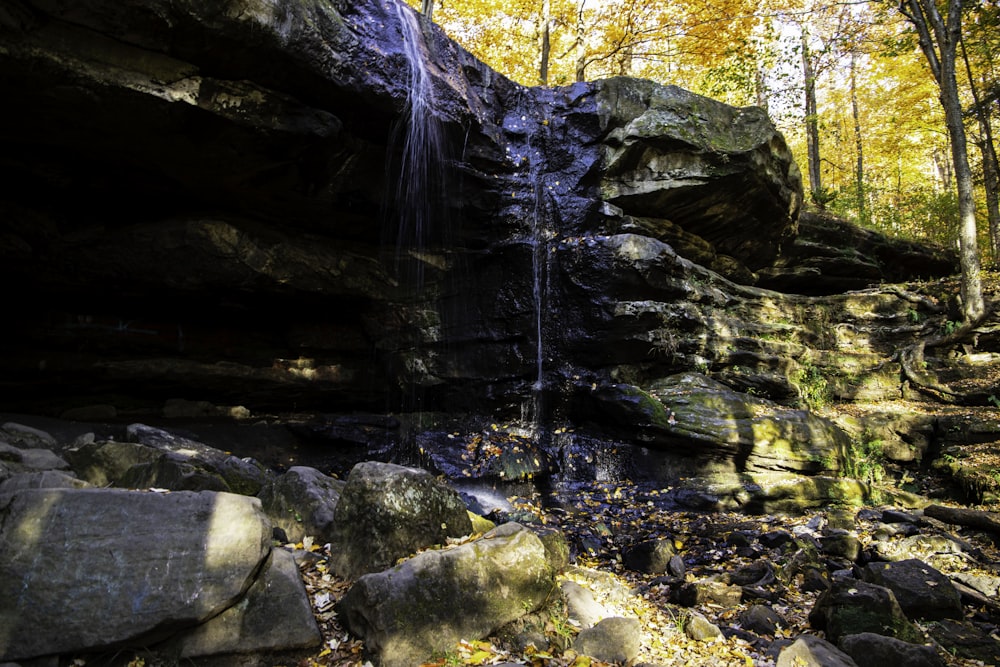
(329, 207)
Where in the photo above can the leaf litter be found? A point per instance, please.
(601, 521)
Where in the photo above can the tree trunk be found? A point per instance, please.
(427, 9)
(545, 47)
(968, 242)
(581, 44)
(991, 170)
(812, 125)
(859, 170)
(939, 41)
(625, 63)
(760, 89)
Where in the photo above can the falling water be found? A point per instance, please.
(531, 155)
(538, 262)
(414, 217)
(419, 197)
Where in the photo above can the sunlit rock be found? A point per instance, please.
(136, 565)
(429, 602)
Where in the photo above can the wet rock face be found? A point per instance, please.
(211, 189)
(199, 194)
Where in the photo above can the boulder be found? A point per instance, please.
(581, 606)
(700, 629)
(614, 639)
(275, 614)
(429, 602)
(651, 556)
(137, 565)
(940, 551)
(922, 591)
(868, 649)
(666, 149)
(174, 473)
(809, 651)
(760, 434)
(23, 436)
(692, 415)
(302, 502)
(105, 462)
(840, 544)
(762, 619)
(985, 584)
(387, 512)
(852, 606)
(965, 640)
(185, 459)
(708, 591)
(31, 459)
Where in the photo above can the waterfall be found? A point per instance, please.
(415, 218)
(532, 126)
(539, 256)
(420, 188)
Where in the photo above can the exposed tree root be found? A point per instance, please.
(927, 302)
(912, 363)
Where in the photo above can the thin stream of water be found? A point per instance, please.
(538, 256)
(419, 184)
(532, 413)
(420, 196)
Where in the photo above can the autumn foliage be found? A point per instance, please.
(880, 147)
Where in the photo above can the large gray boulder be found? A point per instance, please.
(429, 602)
(275, 613)
(187, 462)
(724, 174)
(26, 449)
(302, 502)
(615, 639)
(387, 512)
(105, 462)
(757, 434)
(83, 569)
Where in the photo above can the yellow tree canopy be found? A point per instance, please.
(745, 52)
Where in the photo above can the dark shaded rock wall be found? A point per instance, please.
(235, 203)
(199, 202)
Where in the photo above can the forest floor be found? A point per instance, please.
(616, 514)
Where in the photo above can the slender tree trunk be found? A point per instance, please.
(968, 242)
(760, 89)
(545, 47)
(991, 170)
(625, 63)
(812, 124)
(427, 9)
(859, 168)
(939, 41)
(581, 44)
